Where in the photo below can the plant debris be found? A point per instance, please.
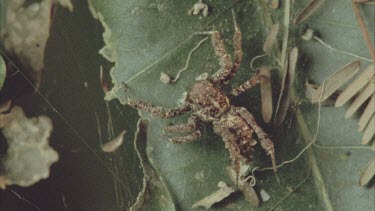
(367, 113)
(115, 143)
(308, 10)
(286, 87)
(198, 8)
(335, 81)
(29, 156)
(355, 86)
(215, 197)
(368, 174)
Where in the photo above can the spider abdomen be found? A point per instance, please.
(237, 135)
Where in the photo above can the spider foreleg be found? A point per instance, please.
(157, 110)
(264, 140)
(245, 86)
(222, 55)
(193, 123)
(228, 70)
(188, 138)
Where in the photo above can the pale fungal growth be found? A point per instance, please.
(29, 155)
(198, 8)
(115, 143)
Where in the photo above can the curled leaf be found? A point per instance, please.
(286, 87)
(275, 4)
(266, 93)
(247, 190)
(335, 81)
(308, 10)
(271, 38)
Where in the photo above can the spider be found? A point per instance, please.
(208, 103)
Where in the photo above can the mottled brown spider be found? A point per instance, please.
(209, 103)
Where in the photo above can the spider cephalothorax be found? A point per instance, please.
(208, 103)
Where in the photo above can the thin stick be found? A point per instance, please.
(286, 31)
(188, 60)
(255, 58)
(364, 30)
(340, 51)
(290, 192)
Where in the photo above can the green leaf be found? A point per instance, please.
(146, 38)
(340, 168)
(154, 194)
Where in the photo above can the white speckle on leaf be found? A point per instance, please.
(199, 176)
(264, 195)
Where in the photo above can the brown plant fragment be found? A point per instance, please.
(114, 144)
(369, 132)
(368, 174)
(308, 10)
(271, 38)
(311, 89)
(266, 93)
(362, 97)
(335, 81)
(366, 115)
(215, 197)
(356, 85)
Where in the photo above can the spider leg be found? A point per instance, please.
(227, 70)
(245, 86)
(264, 140)
(157, 110)
(193, 123)
(186, 139)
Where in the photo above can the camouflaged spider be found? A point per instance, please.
(209, 103)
